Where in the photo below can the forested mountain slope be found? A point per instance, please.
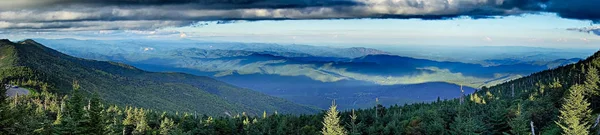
(30, 63)
(563, 100)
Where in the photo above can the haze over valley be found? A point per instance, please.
(353, 76)
(299, 67)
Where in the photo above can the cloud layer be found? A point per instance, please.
(65, 15)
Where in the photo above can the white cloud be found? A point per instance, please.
(182, 35)
(102, 15)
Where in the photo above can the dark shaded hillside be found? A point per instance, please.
(126, 85)
(399, 65)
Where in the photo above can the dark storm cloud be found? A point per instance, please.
(153, 14)
(576, 9)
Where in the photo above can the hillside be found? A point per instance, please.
(354, 82)
(126, 85)
(537, 103)
(382, 69)
(551, 102)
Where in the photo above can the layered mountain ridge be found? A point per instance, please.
(126, 85)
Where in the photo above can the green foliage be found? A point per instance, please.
(331, 122)
(498, 121)
(575, 113)
(166, 126)
(94, 111)
(519, 124)
(141, 125)
(591, 81)
(490, 111)
(113, 120)
(354, 126)
(463, 125)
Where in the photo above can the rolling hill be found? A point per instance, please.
(316, 77)
(126, 85)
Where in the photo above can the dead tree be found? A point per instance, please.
(596, 124)
(462, 94)
(532, 128)
(376, 107)
(513, 90)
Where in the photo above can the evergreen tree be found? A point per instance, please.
(591, 81)
(464, 126)
(3, 89)
(62, 122)
(498, 120)
(94, 113)
(575, 113)
(44, 124)
(354, 127)
(129, 122)
(5, 117)
(519, 124)
(113, 121)
(331, 122)
(75, 110)
(166, 125)
(142, 123)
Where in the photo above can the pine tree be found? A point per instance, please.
(142, 123)
(591, 81)
(264, 116)
(96, 122)
(354, 127)
(62, 120)
(519, 124)
(75, 110)
(498, 121)
(3, 89)
(43, 121)
(129, 122)
(113, 121)
(464, 126)
(5, 117)
(575, 113)
(331, 122)
(166, 125)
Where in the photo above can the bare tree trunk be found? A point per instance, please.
(532, 128)
(513, 90)
(376, 106)
(89, 104)
(596, 124)
(462, 95)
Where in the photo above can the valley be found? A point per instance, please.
(299, 67)
(429, 108)
(301, 72)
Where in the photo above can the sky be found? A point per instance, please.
(541, 23)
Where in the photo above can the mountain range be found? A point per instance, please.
(123, 84)
(354, 80)
(311, 75)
